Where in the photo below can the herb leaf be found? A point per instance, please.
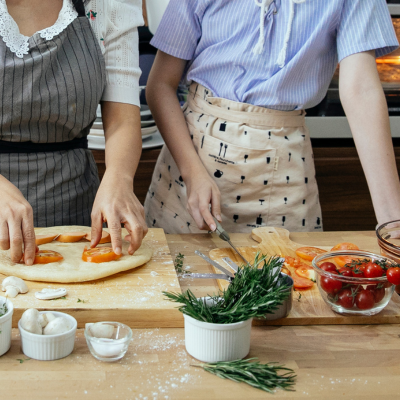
(3, 309)
(178, 263)
(261, 376)
(253, 293)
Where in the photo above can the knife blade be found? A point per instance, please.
(214, 264)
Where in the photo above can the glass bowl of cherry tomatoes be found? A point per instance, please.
(355, 282)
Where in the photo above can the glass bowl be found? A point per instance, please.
(388, 235)
(112, 349)
(340, 287)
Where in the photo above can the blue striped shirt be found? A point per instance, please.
(218, 37)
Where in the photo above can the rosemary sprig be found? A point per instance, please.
(178, 263)
(252, 294)
(261, 376)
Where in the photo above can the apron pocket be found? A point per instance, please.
(240, 173)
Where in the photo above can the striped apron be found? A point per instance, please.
(260, 159)
(49, 101)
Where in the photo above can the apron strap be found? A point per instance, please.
(79, 7)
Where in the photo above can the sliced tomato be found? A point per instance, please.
(99, 255)
(306, 272)
(309, 253)
(105, 237)
(286, 271)
(345, 246)
(43, 239)
(345, 261)
(294, 263)
(302, 283)
(71, 237)
(47, 256)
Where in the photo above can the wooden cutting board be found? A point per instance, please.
(133, 297)
(310, 308)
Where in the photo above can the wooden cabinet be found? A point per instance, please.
(344, 195)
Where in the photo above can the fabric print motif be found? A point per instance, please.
(92, 15)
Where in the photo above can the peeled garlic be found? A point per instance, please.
(100, 330)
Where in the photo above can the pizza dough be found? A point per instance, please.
(72, 268)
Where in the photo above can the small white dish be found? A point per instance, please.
(110, 349)
(49, 347)
(217, 342)
(5, 325)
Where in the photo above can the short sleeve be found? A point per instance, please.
(115, 24)
(180, 29)
(365, 25)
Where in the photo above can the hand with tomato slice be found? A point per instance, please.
(309, 253)
(99, 255)
(116, 204)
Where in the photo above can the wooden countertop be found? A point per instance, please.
(350, 361)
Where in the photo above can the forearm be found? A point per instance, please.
(123, 140)
(366, 109)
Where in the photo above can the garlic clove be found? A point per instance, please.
(100, 330)
(48, 294)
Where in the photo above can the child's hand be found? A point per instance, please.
(201, 192)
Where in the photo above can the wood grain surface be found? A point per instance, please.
(309, 308)
(354, 362)
(133, 297)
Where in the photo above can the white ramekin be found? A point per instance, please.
(217, 342)
(5, 326)
(49, 347)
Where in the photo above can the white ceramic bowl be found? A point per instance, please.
(5, 326)
(49, 347)
(217, 342)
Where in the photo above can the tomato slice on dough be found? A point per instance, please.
(43, 239)
(105, 237)
(47, 256)
(71, 237)
(309, 253)
(302, 283)
(99, 255)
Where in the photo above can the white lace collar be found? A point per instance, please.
(17, 42)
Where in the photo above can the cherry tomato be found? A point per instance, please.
(47, 256)
(71, 237)
(302, 283)
(99, 255)
(393, 275)
(365, 299)
(373, 270)
(105, 237)
(345, 246)
(346, 271)
(359, 271)
(309, 253)
(345, 261)
(345, 298)
(330, 285)
(43, 239)
(378, 291)
(328, 266)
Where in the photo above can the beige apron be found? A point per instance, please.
(261, 160)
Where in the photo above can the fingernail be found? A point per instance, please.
(29, 261)
(213, 227)
(92, 243)
(118, 250)
(219, 218)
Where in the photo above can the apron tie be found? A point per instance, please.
(259, 47)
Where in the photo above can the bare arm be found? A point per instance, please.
(161, 96)
(364, 102)
(115, 201)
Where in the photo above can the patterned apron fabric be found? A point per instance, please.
(51, 96)
(261, 160)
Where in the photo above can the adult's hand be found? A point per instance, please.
(202, 192)
(16, 223)
(116, 203)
